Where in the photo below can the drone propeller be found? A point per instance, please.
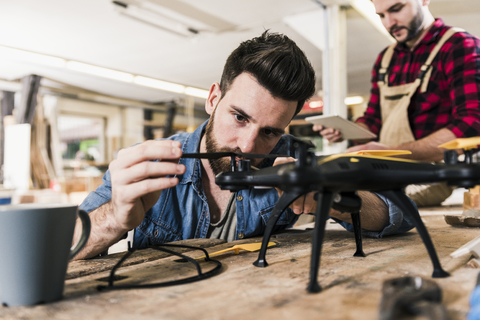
(242, 164)
(218, 155)
(380, 153)
(462, 143)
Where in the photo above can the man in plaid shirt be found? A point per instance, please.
(440, 102)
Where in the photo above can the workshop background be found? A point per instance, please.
(79, 80)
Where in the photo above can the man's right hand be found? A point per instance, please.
(331, 134)
(138, 179)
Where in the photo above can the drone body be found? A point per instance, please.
(339, 177)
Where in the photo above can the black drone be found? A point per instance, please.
(337, 178)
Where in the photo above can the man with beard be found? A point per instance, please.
(425, 89)
(150, 188)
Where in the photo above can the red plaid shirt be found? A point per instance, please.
(453, 95)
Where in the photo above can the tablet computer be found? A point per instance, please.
(349, 129)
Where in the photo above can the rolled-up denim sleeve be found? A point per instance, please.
(100, 196)
(398, 221)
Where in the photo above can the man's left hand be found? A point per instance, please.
(305, 203)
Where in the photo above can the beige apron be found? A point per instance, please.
(394, 102)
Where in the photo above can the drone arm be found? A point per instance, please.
(403, 202)
(285, 200)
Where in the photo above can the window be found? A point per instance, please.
(82, 138)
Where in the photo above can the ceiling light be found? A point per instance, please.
(353, 100)
(99, 71)
(155, 19)
(37, 58)
(315, 104)
(195, 92)
(7, 53)
(367, 10)
(159, 84)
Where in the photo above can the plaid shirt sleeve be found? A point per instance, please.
(462, 68)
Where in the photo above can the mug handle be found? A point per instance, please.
(86, 226)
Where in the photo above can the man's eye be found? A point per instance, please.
(269, 132)
(396, 9)
(239, 118)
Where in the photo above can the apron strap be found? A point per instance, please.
(426, 70)
(387, 56)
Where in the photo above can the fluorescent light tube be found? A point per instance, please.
(195, 92)
(159, 84)
(37, 58)
(99, 71)
(155, 19)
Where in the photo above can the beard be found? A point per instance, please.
(413, 28)
(211, 144)
(222, 164)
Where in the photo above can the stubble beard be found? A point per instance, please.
(211, 144)
(222, 164)
(413, 28)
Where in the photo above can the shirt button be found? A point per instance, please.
(239, 198)
(156, 233)
(241, 236)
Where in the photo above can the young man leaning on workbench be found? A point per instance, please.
(425, 89)
(165, 198)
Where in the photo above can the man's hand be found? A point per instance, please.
(369, 146)
(330, 134)
(305, 203)
(137, 180)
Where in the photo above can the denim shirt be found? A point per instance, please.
(182, 211)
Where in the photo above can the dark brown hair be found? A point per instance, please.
(278, 65)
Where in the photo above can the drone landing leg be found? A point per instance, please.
(351, 202)
(357, 231)
(285, 200)
(323, 210)
(401, 200)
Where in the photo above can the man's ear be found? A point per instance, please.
(213, 98)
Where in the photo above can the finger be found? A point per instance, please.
(336, 137)
(282, 160)
(132, 192)
(146, 170)
(317, 127)
(309, 203)
(149, 150)
(297, 205)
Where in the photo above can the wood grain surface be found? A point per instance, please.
(351, 285)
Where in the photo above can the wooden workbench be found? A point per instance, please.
(351, 286)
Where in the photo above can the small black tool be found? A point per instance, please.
(414, 296)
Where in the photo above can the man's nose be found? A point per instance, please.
(388, 22)
(246, 141)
